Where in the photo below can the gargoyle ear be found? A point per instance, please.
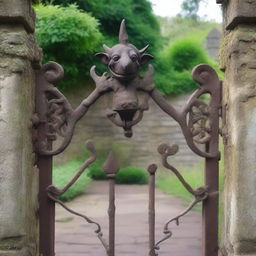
(104, 57)
(145, 58)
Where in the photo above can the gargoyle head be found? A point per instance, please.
(124, 60)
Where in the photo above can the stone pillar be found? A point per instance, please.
(238, 60)
(18, 175)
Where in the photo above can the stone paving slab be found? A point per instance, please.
(74, 237)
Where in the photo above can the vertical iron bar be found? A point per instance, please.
(44, 163)
(111, 167)
(151, 209)
(210, 208)
(210, 205)
(111, 214)
(46, 207)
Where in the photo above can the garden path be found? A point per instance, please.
(74, 237)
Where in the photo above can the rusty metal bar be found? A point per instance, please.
(210, 206)
(210, 209)
(46, 208)
(44, 164)
(111, 168)
(151, 208)
(111, 214)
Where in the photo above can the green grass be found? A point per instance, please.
(62, 174)
(170, 184)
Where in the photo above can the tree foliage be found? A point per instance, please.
(68, 36)
(111, 13)
(190, 8)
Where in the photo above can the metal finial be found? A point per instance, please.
(152, 169)
(123, 36)
(111, 165)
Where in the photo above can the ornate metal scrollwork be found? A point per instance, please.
(198, 120)
(53, 193)
(55, 114)
(200, 194)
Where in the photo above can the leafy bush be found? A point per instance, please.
(62, 174)
(132, 175)
(173, 68)
(170, 81)
(186, 53)
(174, 64)
(68, 36)
(177, 83)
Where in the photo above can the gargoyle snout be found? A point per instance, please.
(128, 66)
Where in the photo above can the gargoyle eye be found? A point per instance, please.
(134, 57)
(115, 57)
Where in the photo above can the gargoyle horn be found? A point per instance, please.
(144, 49)
(106, 48)
(123, 36)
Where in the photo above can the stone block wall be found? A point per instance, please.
(155, 128)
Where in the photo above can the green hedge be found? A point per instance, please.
(96, 173)
(127, 175)
(132, 175)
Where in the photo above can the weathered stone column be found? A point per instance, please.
(18, 175)
(239, 62)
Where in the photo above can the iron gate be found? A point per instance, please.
(198, 120)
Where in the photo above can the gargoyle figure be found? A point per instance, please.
(124, 61)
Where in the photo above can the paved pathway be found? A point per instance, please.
(74, 237)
